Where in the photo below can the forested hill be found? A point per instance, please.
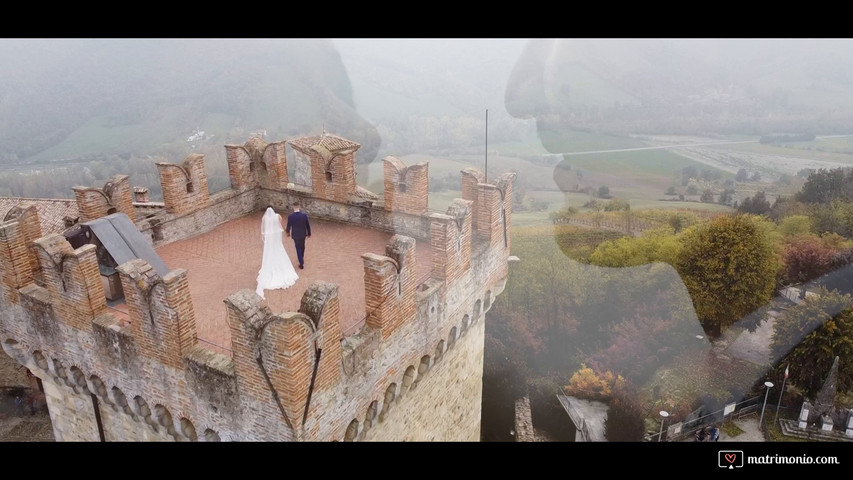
(81, 99)
(685, 86)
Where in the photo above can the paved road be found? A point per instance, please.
(751, 432)
(686, 145)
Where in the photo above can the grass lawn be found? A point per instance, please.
(731, 429)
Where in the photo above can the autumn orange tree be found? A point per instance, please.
(589, 385)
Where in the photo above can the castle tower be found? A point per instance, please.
(409, 366)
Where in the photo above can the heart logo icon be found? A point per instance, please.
(731, 457)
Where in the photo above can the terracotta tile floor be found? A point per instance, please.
(227, 259)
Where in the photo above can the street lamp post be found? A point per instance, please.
(769, 385)
(663, 415)
(782, 391)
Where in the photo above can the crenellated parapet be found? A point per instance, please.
(504, 183)
(15, 264)
(491, 205)
(450, 237)
(115, 196)
(389, 285)
(161, 311)
(291, 356)
(184, 186)
(257, 164)
(406, 188)
(29, 223)
(72, 281)
(410, 370)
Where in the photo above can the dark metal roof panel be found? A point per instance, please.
(125, 242)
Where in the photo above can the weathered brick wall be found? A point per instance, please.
(406, 188)
(370, 216)
(30, 229)
(171, 402)
(239, 167)
(184, 186)
(379, 371)
(15, 267)
(120, 192)
(161, 311)
(504, 184)
(471, 178)
(333, 179)
(446, 404)
(389, 284)
(257, 164)
(275, 161)
(414, 371)
(489, 213)
(116, 196)
(224, 206)
(230, 399)
(72, 279)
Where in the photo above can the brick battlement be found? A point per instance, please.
(411, 371)
(115, 196)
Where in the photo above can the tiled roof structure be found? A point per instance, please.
(327, 145)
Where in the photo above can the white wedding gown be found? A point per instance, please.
(276, 269)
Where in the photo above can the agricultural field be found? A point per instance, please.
(641, 175)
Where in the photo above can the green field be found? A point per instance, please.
(839, 149)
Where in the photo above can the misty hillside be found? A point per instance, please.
(98, 99)
(686, 86)
(85, 98)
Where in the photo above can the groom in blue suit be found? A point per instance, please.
(298, 228)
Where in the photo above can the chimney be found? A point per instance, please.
(140, 195)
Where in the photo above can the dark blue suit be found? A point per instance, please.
(298, 228)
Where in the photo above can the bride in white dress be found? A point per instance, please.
(276, 269)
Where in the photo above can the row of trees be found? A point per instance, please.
(736, 263)
(604, 330)
(557, 314)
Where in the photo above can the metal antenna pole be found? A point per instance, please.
(779, 404)
(487, 146)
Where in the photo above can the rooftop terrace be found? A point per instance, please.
(227, 259)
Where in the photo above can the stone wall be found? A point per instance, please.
(445, 403)
(165, 227)
(524, 421)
